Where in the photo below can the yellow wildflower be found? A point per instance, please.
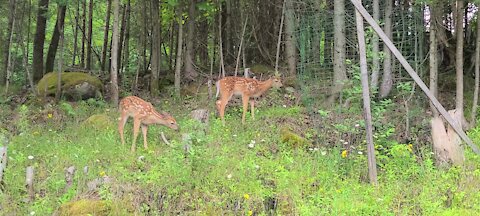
(102, 173)
(50, 115)
(250, 213)
(344, 153)
(410, 147)
(246, 196)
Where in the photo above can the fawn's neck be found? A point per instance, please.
(263, 86)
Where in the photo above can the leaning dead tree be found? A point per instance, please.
(372, 164)
(414, 75)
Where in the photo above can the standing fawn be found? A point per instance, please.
(245, 87)
(143, 114)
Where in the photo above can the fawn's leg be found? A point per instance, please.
(245, 107)
(121, 124)
(144, 132)
(252, 108)
(222, 103)
(136, 127)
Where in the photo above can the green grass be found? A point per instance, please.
(220, 174)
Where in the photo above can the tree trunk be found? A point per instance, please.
(114, 65)
(459, 58)
(9, 61)
(339, 68)
(156, 49)
(178, 62)
(290, 45)
(84, 26)
(89, 36)
(120, 42)
(190, 72)
(75, 33)
(7, 42)
(52, 49)
(375, 48)
(126, 41)
(433, 57)
(387, 79)
(39, 40)
(60, 57)
(105, 36)
(477, 74)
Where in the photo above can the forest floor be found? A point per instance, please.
(290, 160)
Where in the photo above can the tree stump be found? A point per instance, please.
(3, 161)
(29, 183)
(200, 115)
(69, 174)
(446, 142)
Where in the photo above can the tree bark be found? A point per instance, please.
(433, 57)
(52, 49)
(75, 32)
(459, 58)
(39, 40)
(126, 41)
(60, 57)
(7, 42)
(178, 62)
(89, 36)
(105, 36)
(387, 79)
(84, 26)
(156, 49)
(190, 72)
(114, 65)
(339, 67)
(375, 48)
(9, 61)
(477, 74)
(121, 39)
(290, 42)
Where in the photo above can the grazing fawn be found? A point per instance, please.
(245, 87)
(143, 114)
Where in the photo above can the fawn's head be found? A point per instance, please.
(169, 121)
(276, 81)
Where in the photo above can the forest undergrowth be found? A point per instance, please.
(290, 160)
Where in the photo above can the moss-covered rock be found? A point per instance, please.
(75, 85)
(295, 140)
(99, 121)
(86, 207)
